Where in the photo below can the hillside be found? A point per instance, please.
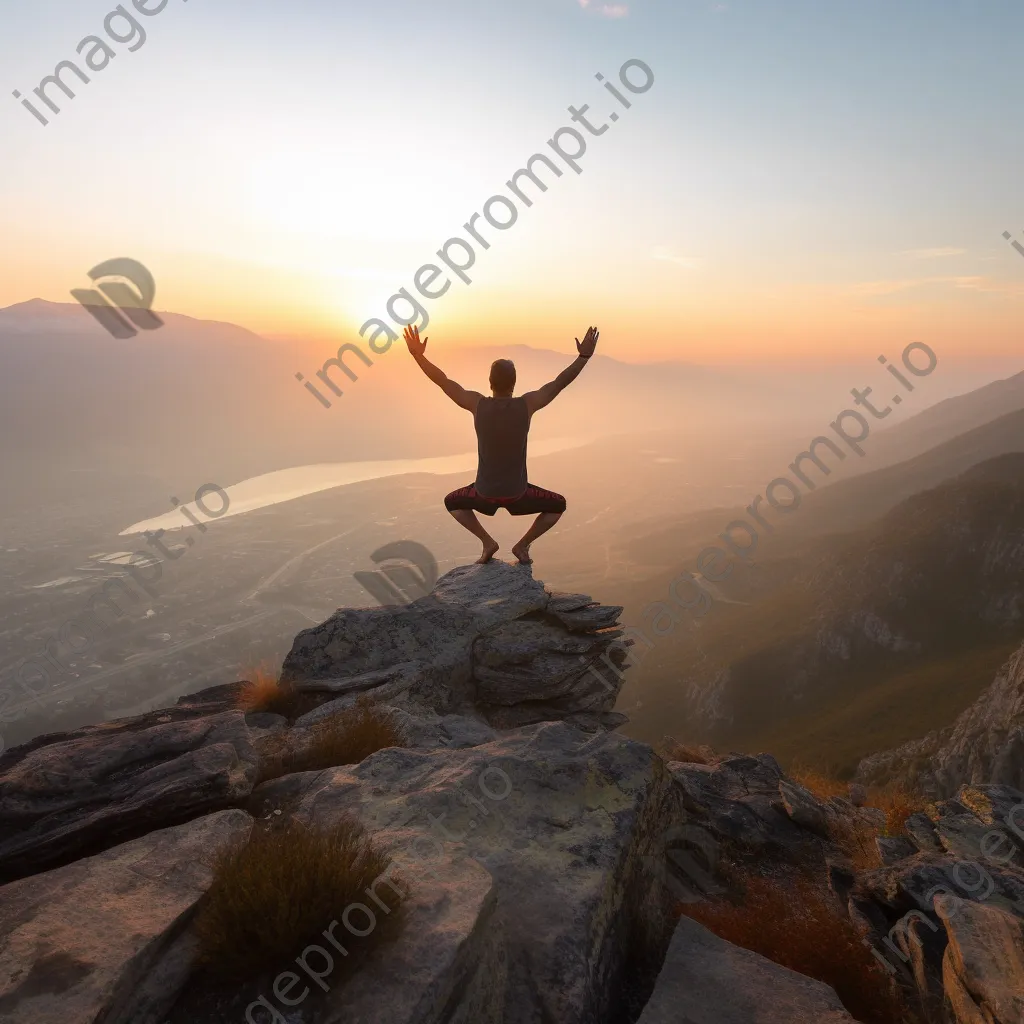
(947, 419)
(986, 742)
(861, 641)
(843, 505)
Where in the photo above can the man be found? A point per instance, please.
(502, 424)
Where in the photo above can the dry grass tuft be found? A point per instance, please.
(347, 737)
(672, 750)
(898, 803)
(801, 925)
(856, 838)
(351, 736)
(275, 895)
(822, 784)
(263, 692)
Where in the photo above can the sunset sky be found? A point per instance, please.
(804, 180)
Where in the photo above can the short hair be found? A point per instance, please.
(503, 376)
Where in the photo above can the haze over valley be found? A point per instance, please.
(655, 458)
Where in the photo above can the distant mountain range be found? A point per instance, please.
(855, 501)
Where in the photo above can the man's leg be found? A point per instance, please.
(467, 518)
(462, 504)
(548, 504)
(541, 524)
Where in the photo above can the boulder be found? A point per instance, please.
(803, 808)
(749, 800)
(87, 791)
(983, 966)
(404, 673)
(590, 619)
(451, 953)
(356, 641)
(492, 593)
(561, 602)
(558, 822)
(528, 660)
(103, 939)
(706, 980)
(894, 848)
(487, 638)
(921, 830)
(961, 834)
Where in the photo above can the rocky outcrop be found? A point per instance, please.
(983, 966)
(946, 911)
(533, 844)
(984, 745)
(707, 980)
(750, 800)
(540, 857)
(103, 939)
(489, 639)
(65, 796)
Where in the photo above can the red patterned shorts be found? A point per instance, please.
(532, 501)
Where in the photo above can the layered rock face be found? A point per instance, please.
(946, 911)
(488, 637)
(542, 857)
(984, 745)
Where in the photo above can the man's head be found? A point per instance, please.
(503, 378)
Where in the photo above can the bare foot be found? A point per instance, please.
(488, 552)
(522, 552)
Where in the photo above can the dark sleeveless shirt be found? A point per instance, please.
(501, 428)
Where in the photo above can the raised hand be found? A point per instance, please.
(589, 343)
(412, 339)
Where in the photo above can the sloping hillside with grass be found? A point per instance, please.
(867, 640)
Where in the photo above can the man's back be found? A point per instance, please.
(502, 426)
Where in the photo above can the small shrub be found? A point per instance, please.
(801, 925)
(263, 692)
(275, 895)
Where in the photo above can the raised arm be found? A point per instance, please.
(542, 396)
(456, 392)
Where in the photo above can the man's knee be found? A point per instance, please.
(551, 501)
(456, 501)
